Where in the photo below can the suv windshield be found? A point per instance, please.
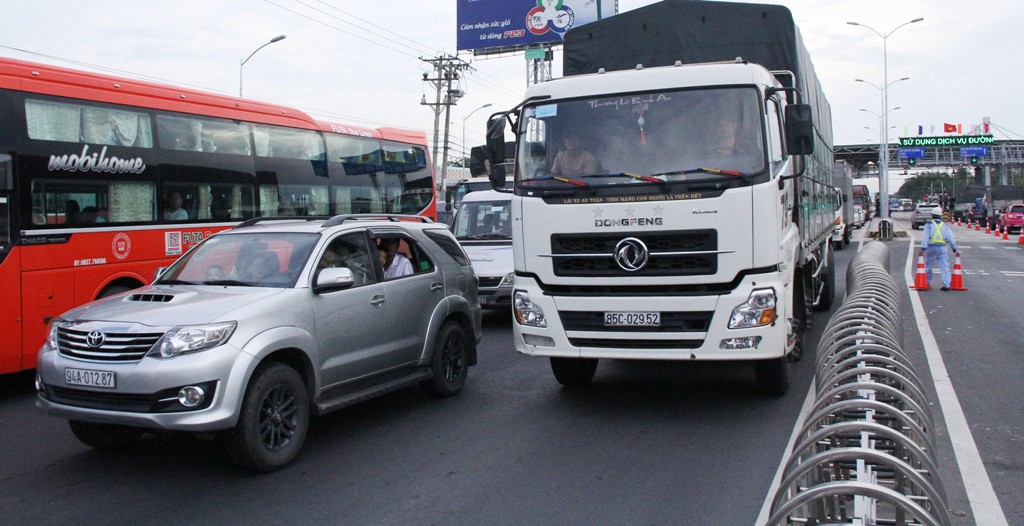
(483, 220)
(692, 135)
(263, 259)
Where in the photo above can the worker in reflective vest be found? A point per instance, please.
(937, 235)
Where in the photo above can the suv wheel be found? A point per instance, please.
(450, 362)
(104, 436)
(273, 422)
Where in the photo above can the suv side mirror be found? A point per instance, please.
(799, 129)
(331, 279)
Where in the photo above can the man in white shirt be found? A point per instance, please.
(395, 265)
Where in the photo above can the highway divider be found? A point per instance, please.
(865, 452)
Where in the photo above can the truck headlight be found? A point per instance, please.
(193, 338)
(508, 280)
(526, 312)
(758, 310)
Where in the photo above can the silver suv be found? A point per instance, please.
(259, 327)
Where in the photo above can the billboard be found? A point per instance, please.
(507, 24)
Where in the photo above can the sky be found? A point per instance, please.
(360, 63)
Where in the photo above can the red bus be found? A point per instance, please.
(103, 180)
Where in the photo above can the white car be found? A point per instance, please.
(859, 216)
(483, 226)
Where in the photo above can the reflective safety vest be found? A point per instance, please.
(936, 238)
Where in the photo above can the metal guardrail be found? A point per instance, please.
(865, 454)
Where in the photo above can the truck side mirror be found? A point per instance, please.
(799, 129)
(496, 150)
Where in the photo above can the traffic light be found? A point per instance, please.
(974, 160)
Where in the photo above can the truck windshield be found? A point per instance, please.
(642, 139)
(484, 220)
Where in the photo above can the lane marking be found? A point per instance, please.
(982, 497)
(766, 510)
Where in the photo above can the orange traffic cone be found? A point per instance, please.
(921, 279)
(995, 232)
(957, 283)
(988, 228)
(1006, 233)
(977, 226)
(959, 222)
(1020, 240)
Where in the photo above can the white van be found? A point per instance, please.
(483, 226)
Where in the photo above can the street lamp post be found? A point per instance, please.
(883, 182)
(880, 139)
(464, 149)
(241, 63)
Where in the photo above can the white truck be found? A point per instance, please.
(690, 217)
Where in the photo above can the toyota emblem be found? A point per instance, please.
(631, 254)
(95, 339)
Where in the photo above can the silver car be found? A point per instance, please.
(261, 326)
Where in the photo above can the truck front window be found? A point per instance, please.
(673, 132)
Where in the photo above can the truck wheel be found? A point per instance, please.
(773, 376)
(450, 362)
(273, 422)
(571, 372)
(104, 436)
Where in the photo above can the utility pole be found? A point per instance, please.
(446, 70)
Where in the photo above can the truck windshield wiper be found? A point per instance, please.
(733, 173)
(647, 178)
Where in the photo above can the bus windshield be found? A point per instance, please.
(656, 137)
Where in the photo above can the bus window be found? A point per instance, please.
(6, 175)
(76, 203)
(293, 200)
(203, 135)
(407, 180)
(357, 155)
(58, 121)
(288, 143)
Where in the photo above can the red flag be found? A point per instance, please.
(948, 128)
(960, 128)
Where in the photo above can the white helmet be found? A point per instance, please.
(937, 211)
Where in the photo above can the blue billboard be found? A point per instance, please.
(491, 24)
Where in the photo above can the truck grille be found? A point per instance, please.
(636, 344)
(675, 253)
(112, 347)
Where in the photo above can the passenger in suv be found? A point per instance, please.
(302, 322)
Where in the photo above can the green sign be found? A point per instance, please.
(957, 140)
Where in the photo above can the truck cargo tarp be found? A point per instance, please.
(693, 32)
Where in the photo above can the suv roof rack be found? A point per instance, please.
(339, 219)
(255, 220)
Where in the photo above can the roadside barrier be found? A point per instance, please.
(865, 452)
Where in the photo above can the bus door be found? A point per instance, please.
(10, 299)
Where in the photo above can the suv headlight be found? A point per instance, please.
(508, 280)
(193, 338)
(52, 339)
(758, 310)
(526, 312)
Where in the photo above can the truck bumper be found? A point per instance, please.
(692, 327)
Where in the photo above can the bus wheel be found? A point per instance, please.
(111, 290)
(104, 436)
(574, 371)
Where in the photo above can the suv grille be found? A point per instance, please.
(115, 347)
(593, 255)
